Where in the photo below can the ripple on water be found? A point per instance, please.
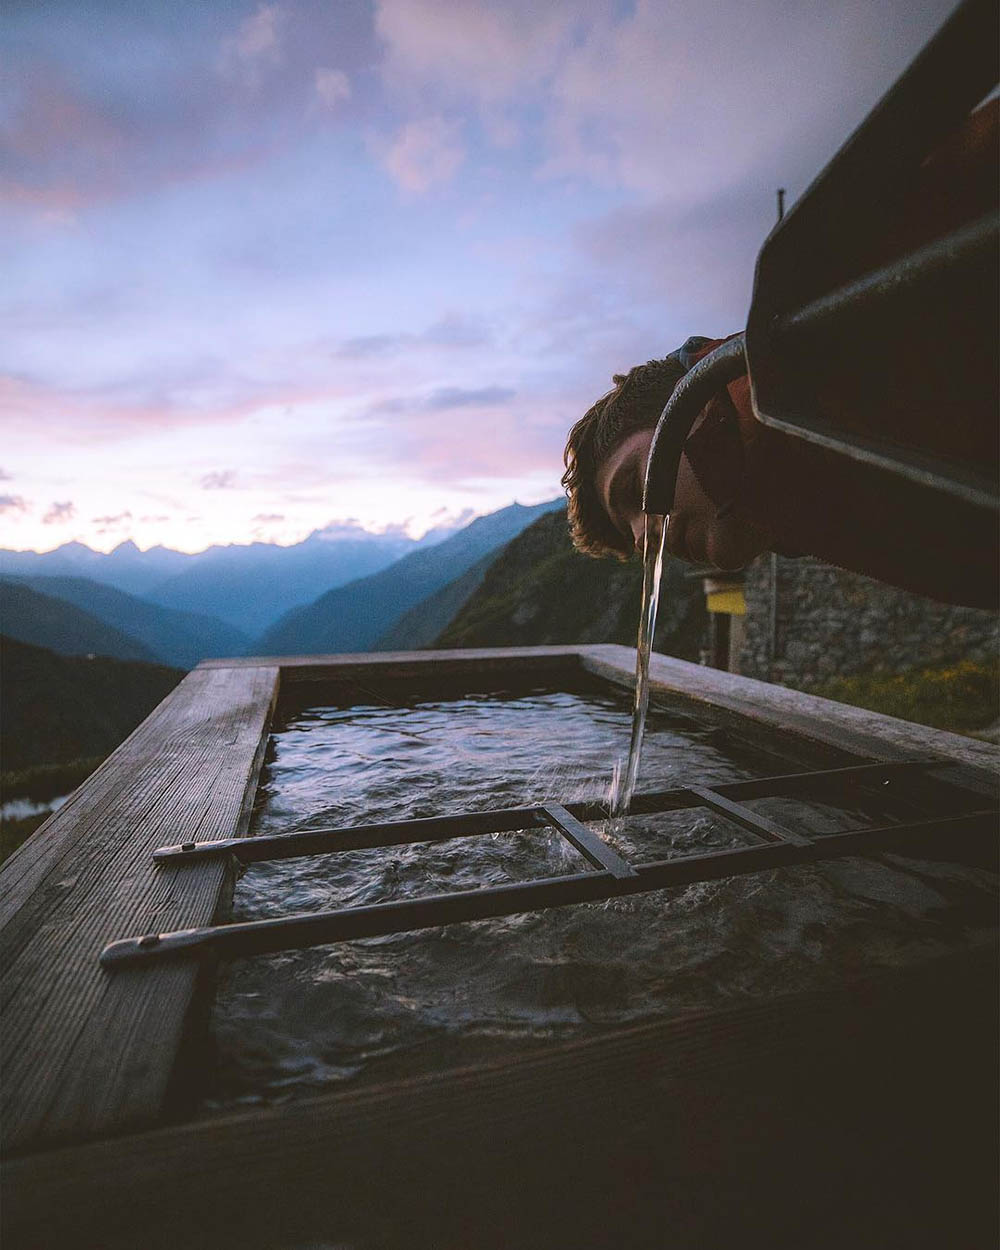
(299, 1021)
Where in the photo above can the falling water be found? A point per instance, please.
(652, 570)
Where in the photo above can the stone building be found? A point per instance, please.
(800, 622)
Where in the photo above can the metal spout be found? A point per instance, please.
(680, 412)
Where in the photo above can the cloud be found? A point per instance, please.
(60, 513)
(5, 476)
(332, 86)
(671, 100)
(457, 397)
(220, 479)
(424, 153)
(489, 49)
(367, 345)
(452, 330)
(12, 503)
(255, 45)
(268, 518)
(446, 519)
(106, 523)
(443, 399)
(153, 520)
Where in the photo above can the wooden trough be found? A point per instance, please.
(797, 1120)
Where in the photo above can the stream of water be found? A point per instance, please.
(623, 785)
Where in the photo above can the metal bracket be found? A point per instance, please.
(587, 842)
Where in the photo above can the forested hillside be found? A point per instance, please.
(59, 708)
(540, 590)
(176, 638)
(47, 621)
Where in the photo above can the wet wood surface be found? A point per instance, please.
(87, 1052)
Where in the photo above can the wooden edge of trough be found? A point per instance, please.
(854, 730)
(88, 1053)
(875, 1099)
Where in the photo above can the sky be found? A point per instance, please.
(272, 267)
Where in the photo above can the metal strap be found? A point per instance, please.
(260, 937)
(747, 819)
(587, 842)
(323, 839)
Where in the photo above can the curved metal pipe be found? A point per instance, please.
(691, 394)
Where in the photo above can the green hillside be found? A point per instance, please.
(540, 591)
(176, 638)
(45, 621)
(57, 708)
(421, 625)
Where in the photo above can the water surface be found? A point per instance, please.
(299, 1021)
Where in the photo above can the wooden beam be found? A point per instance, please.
(402, 664)
(850, 731)
(84, 1052)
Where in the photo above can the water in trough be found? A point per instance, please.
(294, 1023)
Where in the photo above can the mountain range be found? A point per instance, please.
(501, 581)
(60, 626)
(354, 617)
(182, 609)
(171, 637)
(248, 585)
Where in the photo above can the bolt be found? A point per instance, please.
(150, 939)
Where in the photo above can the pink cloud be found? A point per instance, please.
(332, 86)
(111, 413)
(12, 503)
(107, 523)
(479, 46)
(254, 46)
(223, 479)
(424, 153)
(60, 513)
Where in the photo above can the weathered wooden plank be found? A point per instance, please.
(546, 663)
(851, 729)
(85, 1052)
(880, 1093)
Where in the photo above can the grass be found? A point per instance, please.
(41, 782)
(46, 781)
(962, 697)
(14, 832)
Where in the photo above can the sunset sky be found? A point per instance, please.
(272, 266)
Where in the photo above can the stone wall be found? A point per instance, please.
(833, 623)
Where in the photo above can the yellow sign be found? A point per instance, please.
(732, 602)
